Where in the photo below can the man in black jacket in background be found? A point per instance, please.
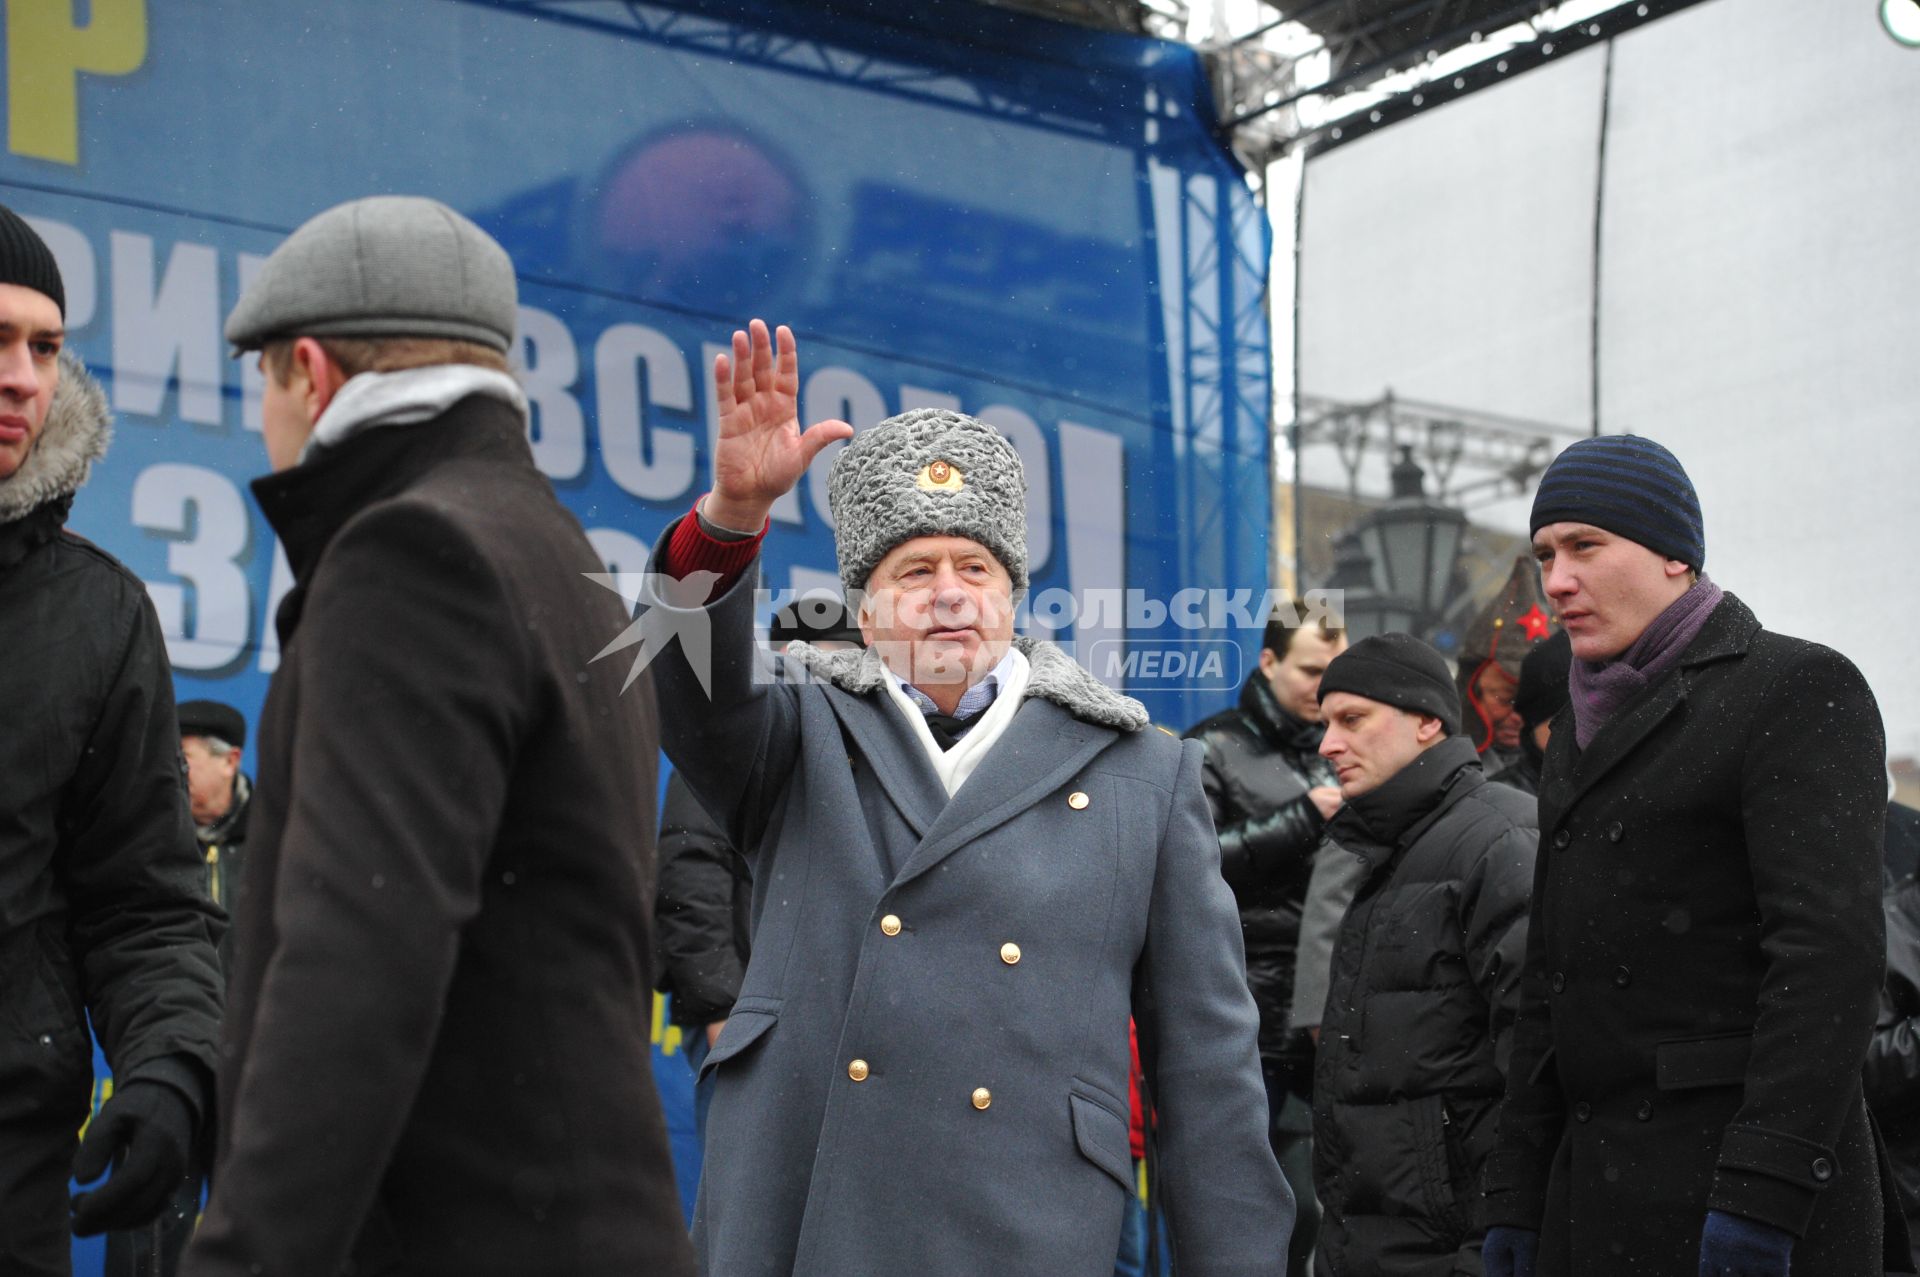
(1425, 978)
(1271, 794)
(102, 914)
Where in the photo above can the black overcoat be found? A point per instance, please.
(435, 1054)
(1703, 969)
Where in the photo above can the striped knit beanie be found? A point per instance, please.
(1629, 486)
(26, 260)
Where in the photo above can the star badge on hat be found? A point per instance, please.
(1535, 624)
(939, 476)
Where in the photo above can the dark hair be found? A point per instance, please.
(1281, 629)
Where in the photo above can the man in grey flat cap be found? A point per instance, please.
(972, 862)
(434, 1060)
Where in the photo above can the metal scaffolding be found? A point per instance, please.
(1473, 457)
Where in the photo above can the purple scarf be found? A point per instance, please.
(1598, 691)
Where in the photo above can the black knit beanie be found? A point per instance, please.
(26, 260)
(1629, 486)
(1543, 680)
(1397, 670)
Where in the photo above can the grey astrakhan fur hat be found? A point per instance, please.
(928, 472)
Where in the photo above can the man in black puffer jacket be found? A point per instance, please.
(1426, 969)
(103, 912)
(1271, 794)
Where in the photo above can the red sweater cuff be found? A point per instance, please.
(690, 549)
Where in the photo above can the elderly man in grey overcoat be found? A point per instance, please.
(972, 862)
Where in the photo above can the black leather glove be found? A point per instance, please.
(145, 1131)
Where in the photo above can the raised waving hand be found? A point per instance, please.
(762, 451)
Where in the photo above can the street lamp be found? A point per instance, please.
(1410, 544)
(1365, 610)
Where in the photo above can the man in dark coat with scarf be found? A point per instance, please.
(1425, 977)
(102, 912)
(434, 1060)
(1271, 795)
(1705, 949)
(971, 863)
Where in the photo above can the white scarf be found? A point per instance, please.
(405, 397)
(953, 766)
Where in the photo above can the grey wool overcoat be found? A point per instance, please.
(926, 1070)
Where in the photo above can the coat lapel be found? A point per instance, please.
(1619, 737)
(1724, 636)
(1042, 749)
(895, 754)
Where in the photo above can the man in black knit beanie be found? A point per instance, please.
(106, 916)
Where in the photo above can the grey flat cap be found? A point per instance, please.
(385, 266)
(927, 472)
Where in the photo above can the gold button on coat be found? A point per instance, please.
(982, 1097)
(1077, 800)
(857, 1070)
(1009, 953)
(890, 924)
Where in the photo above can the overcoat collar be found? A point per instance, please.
(1378, 824)
(898, 760)
(1570, 771)
(1052, 676)
(309, 503)
(1041, 750)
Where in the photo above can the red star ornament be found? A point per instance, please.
(1536, 624)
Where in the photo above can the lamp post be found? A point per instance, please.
(1406, 549)
(1367, 612)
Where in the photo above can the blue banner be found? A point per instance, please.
(1030, 222)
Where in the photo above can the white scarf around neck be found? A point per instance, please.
(953, 766)
(403, 398)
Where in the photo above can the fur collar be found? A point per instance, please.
(1054, 676)
(78, 428)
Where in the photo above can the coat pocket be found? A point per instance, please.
(1101, 1135)
(747, 1023)
(1696, 1062)
(1431, 1123)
